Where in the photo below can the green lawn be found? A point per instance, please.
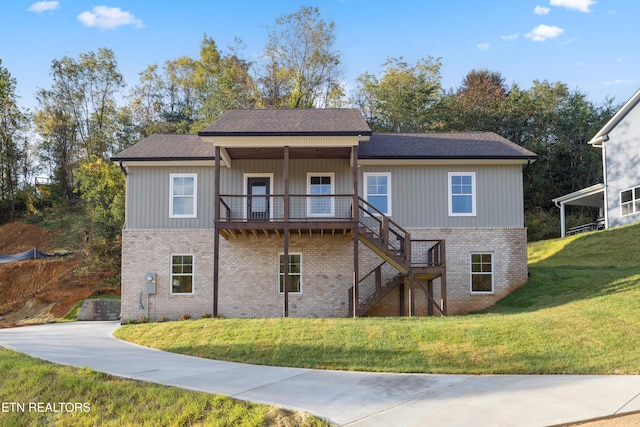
(579, 314)
(28, 385)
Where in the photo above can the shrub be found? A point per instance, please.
(206, 316)
(185, 317)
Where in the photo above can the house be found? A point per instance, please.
(618, 197)
(308, 213)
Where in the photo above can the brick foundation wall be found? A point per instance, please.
(149, 251)
(248, 277)
(509, 249)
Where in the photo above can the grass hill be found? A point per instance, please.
(579, 314)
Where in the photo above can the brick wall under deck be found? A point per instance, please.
(249, 277)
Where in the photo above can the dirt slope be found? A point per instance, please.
(37, 291)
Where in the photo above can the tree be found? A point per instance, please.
(14, 158)
(402, 99)
(188, 94)
(77, 117)
(302, 67)
(101, 185)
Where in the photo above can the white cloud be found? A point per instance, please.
(617, 82)
(108, 18)
(543, 33)
(43, 6)
(511, 36)
(581, 5)
(483, 46)
(541, 10)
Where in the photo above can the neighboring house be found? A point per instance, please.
(308, 213)
(619, 196)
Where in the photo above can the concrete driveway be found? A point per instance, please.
(343, 398)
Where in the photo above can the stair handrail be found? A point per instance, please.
(387, 227)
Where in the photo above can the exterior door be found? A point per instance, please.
(258, 197)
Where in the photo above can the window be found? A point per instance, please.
(182, 201)
(295, 274)
(630, 201)
(462, 193)
(320, 184)
(377, 191)
(182, 274)
(481, 273)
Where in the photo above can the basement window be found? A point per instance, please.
(482, 273)
(295, 274)
(181, 274)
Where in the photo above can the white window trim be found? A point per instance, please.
(473, 193)
(246, 176)
(471, 273)
(193, 273)
(331, 175)
(365, 193)
(632, 202)
(301, 270)
(195, 194)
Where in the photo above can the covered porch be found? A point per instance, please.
(591, 197)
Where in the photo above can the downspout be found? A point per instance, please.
(599, 142)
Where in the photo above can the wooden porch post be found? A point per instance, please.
(443, 278)
(355, 214)
(285, 308)
(412, 295)
(216, 235)
(430, 302)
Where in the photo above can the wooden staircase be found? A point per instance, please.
(404, 261)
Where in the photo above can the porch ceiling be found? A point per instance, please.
(590, 196)
(259, 153)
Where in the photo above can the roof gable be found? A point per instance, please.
(289, 122)
(602, 134)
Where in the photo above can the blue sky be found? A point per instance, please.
(590, 45)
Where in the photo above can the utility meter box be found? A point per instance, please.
(150, 283)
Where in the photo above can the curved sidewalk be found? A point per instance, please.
(344, 398)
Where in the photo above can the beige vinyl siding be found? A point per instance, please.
(419, 195)
(148, 198)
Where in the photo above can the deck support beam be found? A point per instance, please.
(216, 235)
(285, 308)
(355, 212)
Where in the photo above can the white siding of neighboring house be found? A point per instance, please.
(622, 165)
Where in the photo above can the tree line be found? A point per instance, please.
(79, 121)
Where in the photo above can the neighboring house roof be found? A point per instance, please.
(168, 147)
(289, 122)
(463, 145)
(602, 134)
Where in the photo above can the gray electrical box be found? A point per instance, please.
(150, 283)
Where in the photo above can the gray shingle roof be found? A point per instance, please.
(168, 147)
(467, 145)
(289, 122)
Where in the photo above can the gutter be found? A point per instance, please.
(599, 141)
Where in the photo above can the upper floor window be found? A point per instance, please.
(630, 201)
(462, 193)
(321, 184)
(183, 196)
(377, 190)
